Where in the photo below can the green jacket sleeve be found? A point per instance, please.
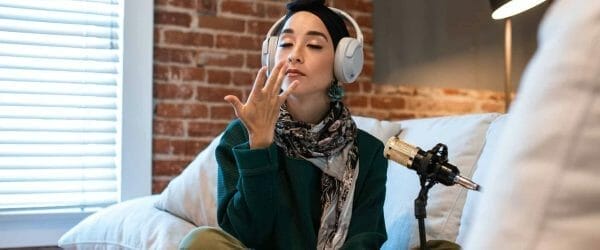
(367, 227)
(246, 186)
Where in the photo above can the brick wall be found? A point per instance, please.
(206, 49)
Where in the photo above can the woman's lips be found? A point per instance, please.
(294, 73)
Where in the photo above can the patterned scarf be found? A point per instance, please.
(330, 146)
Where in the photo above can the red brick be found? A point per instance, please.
(200, 129)
(253, 61)
(221, 23)
(206, 7)
(172, 18)
(388, 102)
(160, 2)
(188, 38)
(181, 110)
(351, 87)
(173, 91)
(243, 8)
(167, 146)
(156, 35)
(158, 185)
(355, 5)
(357, 101)
(194, 147)
(216, 76)
(367, 86)
(493, 107)
(275, 10)
(226, 59)
(238, 42)
(222, 112)
(168, 167)
(168, 127)
(186, 73)
(367, 70)
(173, 55)
(243, 78)
(160, 72)
(395, 115)
(259, 27)
(216, 94)
(188, 4)
(368, 36)
(365, 21)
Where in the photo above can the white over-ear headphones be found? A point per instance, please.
(348, 61)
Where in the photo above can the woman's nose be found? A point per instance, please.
(294, 57)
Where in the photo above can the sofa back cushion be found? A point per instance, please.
(465, 136)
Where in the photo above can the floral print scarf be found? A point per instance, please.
(330, 145)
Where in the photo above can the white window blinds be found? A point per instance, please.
(59, 89)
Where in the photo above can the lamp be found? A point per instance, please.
(504, 9)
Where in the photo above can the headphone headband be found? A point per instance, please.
(341, 13)
(348, 58)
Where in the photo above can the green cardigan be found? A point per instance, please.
(270, 201)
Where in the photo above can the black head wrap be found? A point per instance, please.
(334, 23)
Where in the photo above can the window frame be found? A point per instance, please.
(135, 142)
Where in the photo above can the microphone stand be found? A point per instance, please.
(420, 210)
(427, 168)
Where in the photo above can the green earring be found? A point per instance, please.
(336, 92)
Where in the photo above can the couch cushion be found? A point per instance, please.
(481, 175)
(134, 224)
(192, 195)
(464, 136)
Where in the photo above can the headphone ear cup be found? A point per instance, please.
(348, 61)
(269, 48)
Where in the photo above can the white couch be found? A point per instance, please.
(541, 174)
(189, 200)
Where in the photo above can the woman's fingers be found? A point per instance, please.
(235, 102)
(287, 92)
(274, 77)
(261, 77)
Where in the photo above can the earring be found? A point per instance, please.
(336, 92)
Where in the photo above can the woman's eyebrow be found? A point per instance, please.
(309, 33)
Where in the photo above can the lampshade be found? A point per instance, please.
(506, 8)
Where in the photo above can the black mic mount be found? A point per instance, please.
(433, 167)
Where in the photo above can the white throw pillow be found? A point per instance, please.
(192, 195)
(382, 130)
(464, 135)
(133, 224)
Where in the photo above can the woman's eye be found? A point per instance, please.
(313, 46)
(285, 45)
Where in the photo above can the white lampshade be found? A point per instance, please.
(502, 8)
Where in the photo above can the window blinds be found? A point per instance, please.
(59, 90)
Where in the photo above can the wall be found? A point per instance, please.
(450, 43)
(205, 49)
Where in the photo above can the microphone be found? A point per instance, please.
(432, 164)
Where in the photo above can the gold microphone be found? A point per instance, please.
(432, 164)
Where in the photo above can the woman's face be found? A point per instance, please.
(307, 47)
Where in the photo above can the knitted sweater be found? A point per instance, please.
(270, 201)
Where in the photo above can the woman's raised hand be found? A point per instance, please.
(261, 111)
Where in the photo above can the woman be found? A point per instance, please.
(294, 171)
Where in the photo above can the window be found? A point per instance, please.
(75, 112)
